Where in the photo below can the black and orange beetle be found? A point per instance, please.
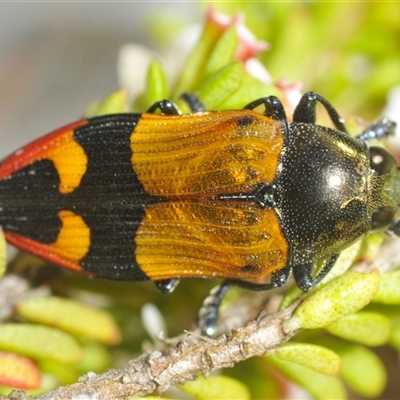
(227, 194)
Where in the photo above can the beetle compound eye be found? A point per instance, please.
(382, 218)
(381, 161)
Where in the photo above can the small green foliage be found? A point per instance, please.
(71, 316)
(40, 343)
(355, 69)
(157, 83)
(389, 292)
(221, 85)
(343, 263)
(59, 373)
(96, 357)
(346, 260)
(343, 296)
(223, 52)
(215, 70)
(319, 385)
(193, 70)
(366, 327)
(250, 88)
(371, 246)
(395, 333)
(114, 103)
(216, 387)
(362, 369)
(318, 358)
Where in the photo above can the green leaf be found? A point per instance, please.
(61, 374)
(157, 83)
(371, 245)
(343, 296)
(40, 343)
(250, 89)
(114, 103)
(389, 292)
(96, 357)
(366, 327)
(318, 358)
(362, 369)
(395, 333)
(221, 85)
(343, 263)
(223, 52)
(194, 67)
(317, 384)
(71, 316)
(217, 387)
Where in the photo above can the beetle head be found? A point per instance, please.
(384, 188)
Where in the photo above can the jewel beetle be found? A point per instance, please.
(234, 194)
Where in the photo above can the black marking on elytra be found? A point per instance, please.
(30, 201)
(244, 122)
(249, 269)
(110, 199)
(121, 199)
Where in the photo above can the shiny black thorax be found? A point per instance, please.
(321, 191)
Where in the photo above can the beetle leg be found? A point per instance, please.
(305, 110)
(208, 314)
(273, 107)
(167, 285)
(193, 102)
(209, 311)
(166, 107)
(302, 274)
(383, 128)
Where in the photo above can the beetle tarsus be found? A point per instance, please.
(208, 314)
(166, 107)
(167, 285)
(273, 107)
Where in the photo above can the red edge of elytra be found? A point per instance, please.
(42, 251)
(23, 156)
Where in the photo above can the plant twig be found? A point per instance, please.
(155, 372)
